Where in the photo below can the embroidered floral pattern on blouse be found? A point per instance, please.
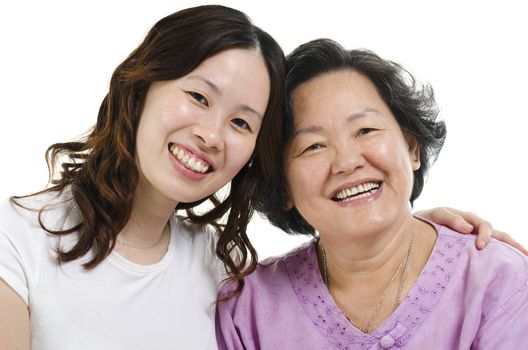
(399, 328)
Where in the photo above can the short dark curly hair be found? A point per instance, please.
(412, 104)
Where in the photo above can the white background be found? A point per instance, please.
(56, 59)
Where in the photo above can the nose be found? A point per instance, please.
(208, 130)
(346, 159)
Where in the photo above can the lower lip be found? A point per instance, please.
(187, 173)
(361, 201)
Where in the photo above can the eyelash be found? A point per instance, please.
(199, 98)
(313, 147)
(240, 123)
(364, 131)
(245, 125)
(316, 146)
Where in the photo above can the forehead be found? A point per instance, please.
(232, 58)
(234, 65)
(238, 75)
(335, 94)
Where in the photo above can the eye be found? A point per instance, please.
(364, 131)
(241, 123)
(313, 147)
(199, 98)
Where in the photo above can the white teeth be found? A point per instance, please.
(365, 189)
(188, 160)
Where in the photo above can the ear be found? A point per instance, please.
(288, 205)
(414, 152)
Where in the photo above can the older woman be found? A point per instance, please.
(360, 139)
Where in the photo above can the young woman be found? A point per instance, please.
(99, 260)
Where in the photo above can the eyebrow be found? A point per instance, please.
(313, 129)
(246, 108)
(208, 83)
(217, 91)
(362, 113)
(308, 130)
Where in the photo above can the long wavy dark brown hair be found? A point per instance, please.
(101, 170)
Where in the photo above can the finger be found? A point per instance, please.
(481, 227)
(484, 231)
(456, 219)
(508, 239)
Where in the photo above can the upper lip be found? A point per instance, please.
(352, 184)
(202, 156)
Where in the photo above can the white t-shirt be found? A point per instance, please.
(118, 304)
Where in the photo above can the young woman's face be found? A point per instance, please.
(349, 167)
(197, 132)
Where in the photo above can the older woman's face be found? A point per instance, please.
(348, 167)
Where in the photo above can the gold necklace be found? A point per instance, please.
(149, 247)
(404, 263)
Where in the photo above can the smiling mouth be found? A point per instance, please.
(189, 160)
(360, 191)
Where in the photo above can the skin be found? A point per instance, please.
(213, 115)
(344, 136)
(14, 330)
(219, 126)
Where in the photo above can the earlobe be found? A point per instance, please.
(286, 199)
(289, 204)
(416, 163)
(414, 153)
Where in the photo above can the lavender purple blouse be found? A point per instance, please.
(463, 299)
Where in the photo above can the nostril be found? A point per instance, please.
(210, 136)
(201, 138)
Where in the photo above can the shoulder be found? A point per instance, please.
(199, 237)
(276, 268)
(499, 272)
(493, 287)
(23, 245)
(267, 289)
(272, 274)
(17, 220)
(55, 209)
(496, 254)
(300, 251)
(198, 244)
(21, 219)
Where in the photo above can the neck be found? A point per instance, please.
(369, 277)
(149, 219)
(369, 256)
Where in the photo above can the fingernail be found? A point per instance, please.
(482, 244)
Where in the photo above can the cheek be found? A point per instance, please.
(305, 190)
(305, 178)
(394, 159)
(143, 137)
(157, 123)
(391, 154)
(174, 116)
(240, 149)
